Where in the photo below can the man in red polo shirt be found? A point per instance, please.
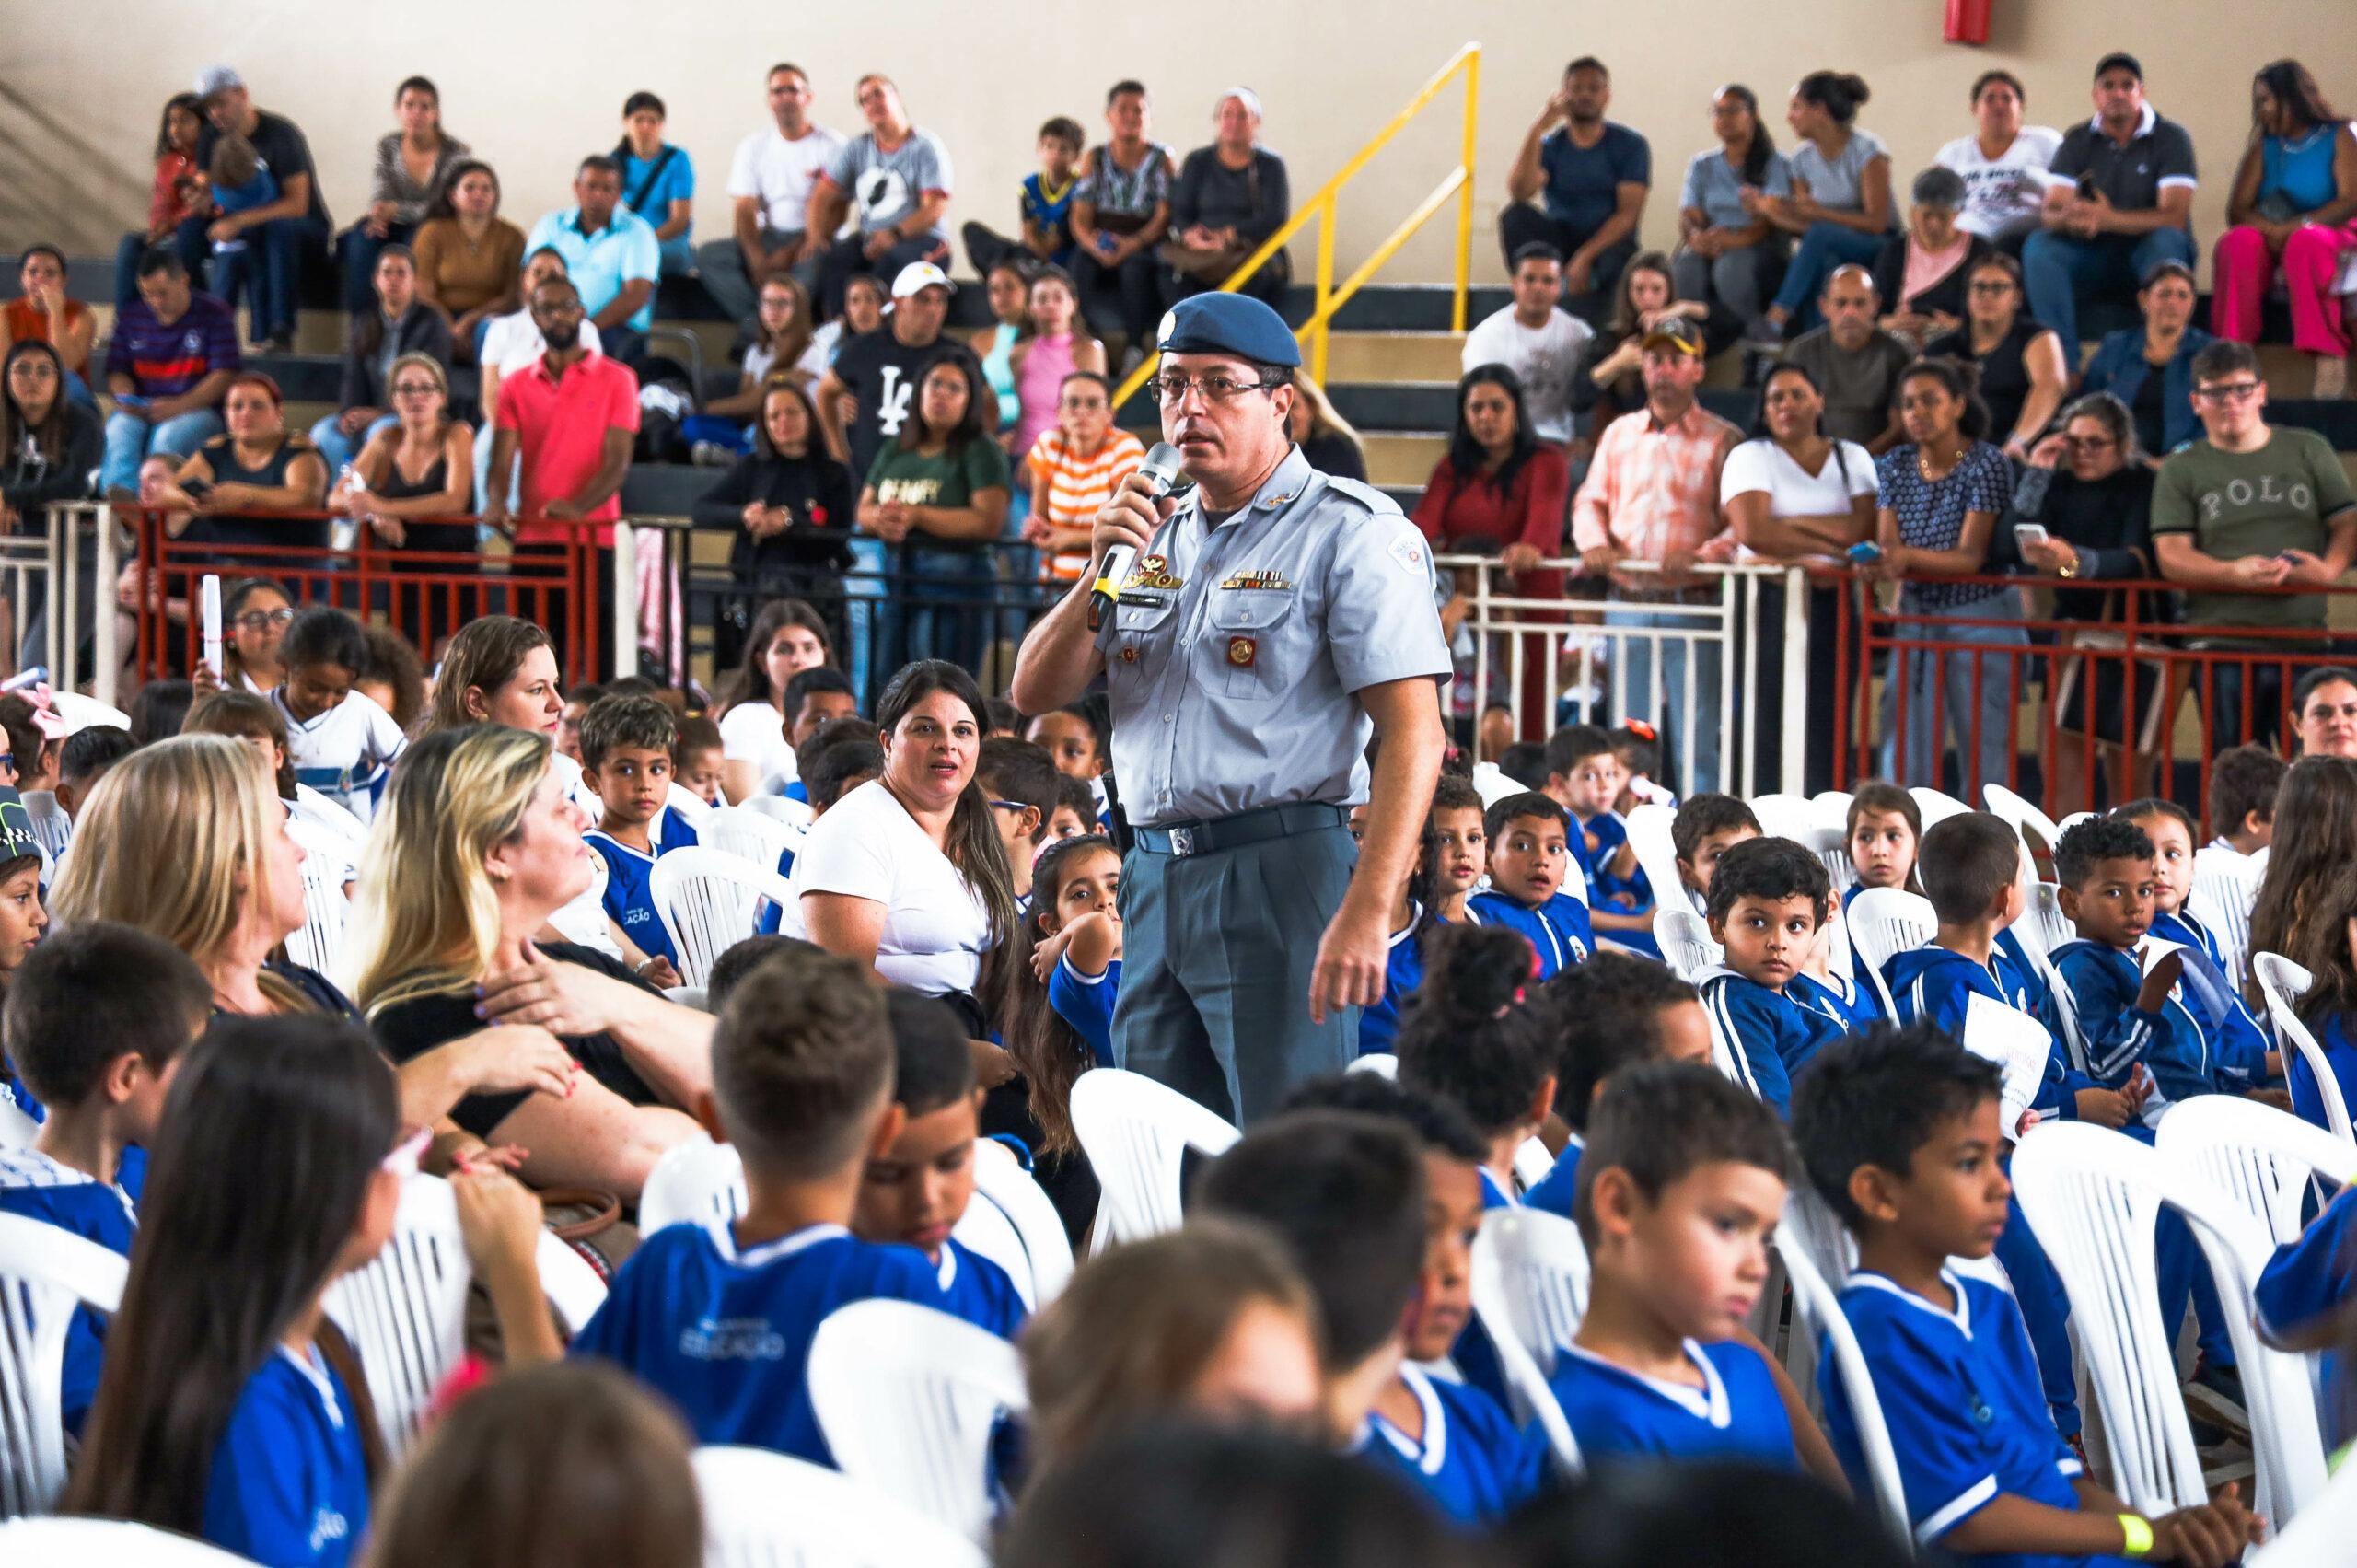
(573, 415)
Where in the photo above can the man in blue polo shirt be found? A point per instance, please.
(610, 253)
(1588, 178)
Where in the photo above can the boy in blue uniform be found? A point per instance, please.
(1899, 1129)
(2243, 784)
(2239, 1047)
(720, 1320)
(1529, 851)
(1471, 1039)
(1705, 828)
(916, 1192)
(96, 1019)
(1020, 780)
(1455, 857)
(1615, 1009)
(2302, 1297)
(1345, 1193)
(626, 747)
(1452, 1440)
(1681, 1186)
(1768, 897)
(1585, 777)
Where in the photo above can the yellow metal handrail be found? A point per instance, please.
(1314, 333)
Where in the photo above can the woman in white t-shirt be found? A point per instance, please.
(907, 873)
(787, 638)
(1793, 494)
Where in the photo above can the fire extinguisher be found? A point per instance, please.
(1967, 21)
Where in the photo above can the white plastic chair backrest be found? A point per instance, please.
(2282, 983)
(698, 1180)
(770, 1510)
(2043, 927)
(45, 1272)
(17, 1131)
(1884, 921)
(1011, 1212)
(1382, 1063)
(2320, 1538)
(405, 1311)
(908, 1397)
(1531, 1163)
(1821, 1311)
(695, 996)
(778, 808)
(1840, 957)
(1529, 1399)
(2035, 827)
(2092, 1196)
(2073, 821)
(2256, 1155)
(2225, 889)
(1935, 806)
(1540, 1266)
(575, 1288)
(82, 712)
(326, 860)
(1685, 939)
(1783, 816)
(709, 901)
(1136, 1132)
(752, 836)
(115, 1543)
(1649, 836)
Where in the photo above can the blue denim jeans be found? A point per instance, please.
(2058, 270)
(132, 441)
(1957, 690)
(1697, 746)
(872, 619)
(949, 593)
(1825, 246)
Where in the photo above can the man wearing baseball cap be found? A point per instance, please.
(290, 232)
(1265, 625)
(2119, 198)
(1652, 494)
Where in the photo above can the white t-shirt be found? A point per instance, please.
(781, 172)
(1543, 358)
(338, 753)
(1792, 491)
(754, 732)
(936, 926)
(2001, 196)
(511, 343)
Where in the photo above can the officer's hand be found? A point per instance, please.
(1351, 956)
(1130, 517)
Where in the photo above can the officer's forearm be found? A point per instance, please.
(1399, 794)
(1059, 658)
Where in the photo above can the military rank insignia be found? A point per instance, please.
(1153, 572)
(1242, 652)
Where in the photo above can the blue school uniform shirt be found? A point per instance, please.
(288, 1485)
(1959, 1392)
(1087, 1004)
(2116, 1034)
(2308, 1280)
(1553, 1194)
(979, 1290)
(36, 1186)
(726, 1334)
(1849, 1002)
(1773, 1036)
(630, 880)
(1931, 982)
(2340, 1054)
(1403, 971)
(1736, 1414)
(1473, 1463)
(1558, 930)
(1622, 895)
(651, 198)
(1496, 1194)
(2238, 1046)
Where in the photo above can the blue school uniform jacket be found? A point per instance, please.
(2116, 1035)
(1403, 972)
(2237, 1045)
(1933, 982)
(726, 1334)
(36, 1186)
(1849, 1002)
(1558, 930)
(1553, 1194)
(630, 876)
(1736, 1414)
(1472, 1461)
(1959, 1392)
(2341, 1055)
(1087, 1003)
(1773, 1036)
(979, 1290)
(1631, 894)
(289, 1485)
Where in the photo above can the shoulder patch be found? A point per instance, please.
(1409, 550)
(1365, 495)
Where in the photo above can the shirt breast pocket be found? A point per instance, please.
(1253, 643)
(1139, 629)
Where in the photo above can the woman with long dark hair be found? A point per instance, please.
(2293, 206)
(787, 509)
(787, 637)
(2022, 372)
(1728, 255)
(1609, 380)
(939, 493)
(468, 258)
(2316, 843)
(414, 164)
(49, 445)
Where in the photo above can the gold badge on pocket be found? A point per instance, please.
(1242, 652)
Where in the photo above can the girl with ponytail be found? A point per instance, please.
(1477, 1034)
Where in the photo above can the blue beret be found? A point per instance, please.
(1227, 323)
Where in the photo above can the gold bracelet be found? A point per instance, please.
(2135, 1535)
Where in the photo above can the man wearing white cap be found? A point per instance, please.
(1229, 198)
(895, 179)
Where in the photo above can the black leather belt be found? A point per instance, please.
(1182, 839)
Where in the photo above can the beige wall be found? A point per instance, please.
(534, 86)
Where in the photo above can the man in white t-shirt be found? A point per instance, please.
(769, 182)
(1540, 342)
(2003, 163)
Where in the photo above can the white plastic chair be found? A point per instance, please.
(2225, 889)
(1820, 1314)
(752, 836)
(908, 1398)
(1649, 835)
(1539, 1264)
(709, 901)
(115, 1543)
(1884, 921)
(769, 1510)
(2320, 1538)
(2043, 927)
(1783, 816)
(1685, 939)
(1014, 1223)
(1531, 1163)
(695, 996)
(1935, 806)
(1528, 1393)
(698, 1180)
(2284, 982)
(1830, 836)
(778, 808)
(2036, 829)
(327, 864)
(1136, 1133)
(1382, 1063)
(45, 1273)
(2265, 1160)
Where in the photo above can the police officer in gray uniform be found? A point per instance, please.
(1275, 618)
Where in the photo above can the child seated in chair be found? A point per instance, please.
(1613, 1010)
(1585, 777)
(2236, 1042)
(1768, 898)
(1883, 828)
(1529, 855)
(627, 743)
(1899, 1132)
(2243, 781)
(1470, 1037)
(1454, 858)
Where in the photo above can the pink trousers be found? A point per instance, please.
(2242, 269)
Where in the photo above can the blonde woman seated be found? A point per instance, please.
(473, 849)
(187, 840)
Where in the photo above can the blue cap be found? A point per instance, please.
(1227, 323)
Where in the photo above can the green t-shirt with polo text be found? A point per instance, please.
(948, 479)
(2243, 504)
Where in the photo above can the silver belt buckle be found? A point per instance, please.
(1182, 841)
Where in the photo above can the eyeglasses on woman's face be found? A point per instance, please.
(264, 619)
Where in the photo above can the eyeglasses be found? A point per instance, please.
(1991, 285)
(1008, 805)
(1171, 389)
(2088, 443)
(2232, 392)
(416, 390)
(264, 619)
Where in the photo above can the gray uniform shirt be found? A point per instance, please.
(1233, 655)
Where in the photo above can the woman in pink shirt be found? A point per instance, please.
(1056, 348)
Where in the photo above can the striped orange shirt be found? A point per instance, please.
(1078, 488)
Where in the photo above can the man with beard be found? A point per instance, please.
(1588, 178)
(572, 415)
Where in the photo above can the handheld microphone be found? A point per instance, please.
(1163, 481)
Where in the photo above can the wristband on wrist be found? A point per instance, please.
(2135, 1535)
